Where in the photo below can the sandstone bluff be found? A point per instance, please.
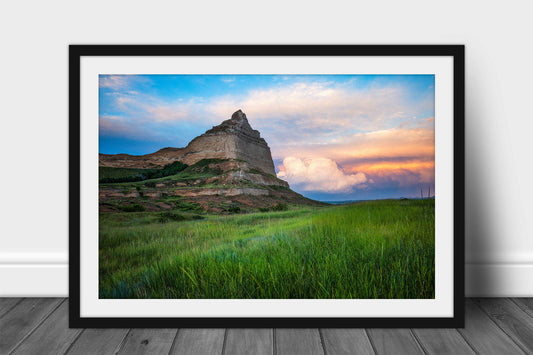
(232, 139)
(227, 168)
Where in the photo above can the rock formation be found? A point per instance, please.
(228, 167)
(232, 139)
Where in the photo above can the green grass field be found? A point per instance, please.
(375, 249)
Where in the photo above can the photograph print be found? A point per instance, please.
(266, 186)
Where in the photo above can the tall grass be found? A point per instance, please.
(378, 249)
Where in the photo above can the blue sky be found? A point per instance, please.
(332, 137)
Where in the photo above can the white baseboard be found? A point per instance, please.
(49, 278)
(499, 280)
(34, 280)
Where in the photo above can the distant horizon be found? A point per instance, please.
(332, 137)
(379, 199)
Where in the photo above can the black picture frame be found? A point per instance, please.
(76, 52)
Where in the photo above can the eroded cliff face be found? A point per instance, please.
(233, 139)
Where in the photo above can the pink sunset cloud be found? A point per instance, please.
(319, 174)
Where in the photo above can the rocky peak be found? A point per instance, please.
(239, 116)
(238, 123)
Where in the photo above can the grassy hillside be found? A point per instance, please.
(377, 249)
(169, 187)
(124, 177)
(119, 175)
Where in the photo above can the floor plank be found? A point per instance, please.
(443, 341)
(53, 336)
(346, 341)
(394, 341)
(6, 304)
(40, 326)
(526, 304)
(148, 341)
(22, 319)
(511, 319)
(298, 341)
(249, 341)
(98, 342)
(484, 335)
(199, 341)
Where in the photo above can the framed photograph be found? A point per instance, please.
(266, 186)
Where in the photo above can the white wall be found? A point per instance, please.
(34, 80)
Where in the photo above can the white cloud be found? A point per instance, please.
(315, 112)
(122, 82)
(228, 80)
(315, 105)
(300, 113)
(318, 174)
(114, 82)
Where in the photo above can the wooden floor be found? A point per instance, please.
(40, 326)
